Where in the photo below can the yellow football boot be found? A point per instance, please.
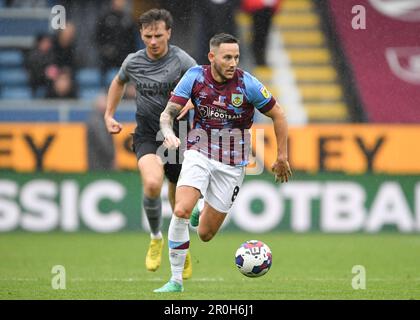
(187, 272)
(154, 254)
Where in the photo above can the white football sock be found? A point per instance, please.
(156, 236)
(179, 242)
(200, 204)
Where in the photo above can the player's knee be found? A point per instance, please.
(182, 213)
(152, 188)
(205, 236)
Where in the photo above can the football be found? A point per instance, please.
(253, 258)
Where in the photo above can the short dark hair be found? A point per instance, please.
(41, 36)
(154, 15)
(220, 38)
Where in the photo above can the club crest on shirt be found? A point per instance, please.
(237, 99)
(265, 92)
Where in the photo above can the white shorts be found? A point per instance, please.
(218, 183)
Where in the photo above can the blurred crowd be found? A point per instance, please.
(53, 61)
(52, 65)
(99, 35)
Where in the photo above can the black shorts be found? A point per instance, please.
(142, 146)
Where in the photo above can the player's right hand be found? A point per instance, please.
(189, 106)
(113, 126)
(171, 142)
(281, 169)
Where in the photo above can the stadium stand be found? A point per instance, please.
(302, 71)
(18, 29)
(88, 77)
(41, 110)
(18, 26)
(110, 76)
(11, 58)
(13, 76)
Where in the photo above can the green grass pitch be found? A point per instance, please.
(305, 266)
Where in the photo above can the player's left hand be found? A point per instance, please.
(281, 169)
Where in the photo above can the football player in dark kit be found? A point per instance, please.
(154, 71)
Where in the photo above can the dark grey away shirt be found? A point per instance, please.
(154, 80)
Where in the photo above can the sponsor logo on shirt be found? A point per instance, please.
(220, 102)
(155, 88)
(207, 112)
(202, 95)
(265, 92)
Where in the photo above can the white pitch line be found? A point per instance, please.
(19, 279)
(140, 280)
(346, 279)
(204, 279)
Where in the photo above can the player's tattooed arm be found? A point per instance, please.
(167, 117)
(166, 123)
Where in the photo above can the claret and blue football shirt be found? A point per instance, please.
(223, 112)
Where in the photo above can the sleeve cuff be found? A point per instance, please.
(268, 106)
(123, 77)
(179, 100)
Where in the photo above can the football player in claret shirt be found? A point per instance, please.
(224, 98)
